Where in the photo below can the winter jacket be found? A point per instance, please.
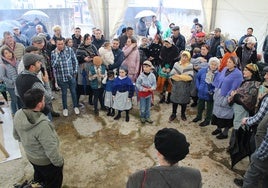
(205, 90)
(38, 137)
(165, 177)
(8, 73)
(118, 59)
(132, 60)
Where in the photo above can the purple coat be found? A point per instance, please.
(228, 83)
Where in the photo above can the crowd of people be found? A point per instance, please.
(223, 76)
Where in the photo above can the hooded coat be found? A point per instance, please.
(38, 137)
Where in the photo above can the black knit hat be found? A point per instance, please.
(171, 144)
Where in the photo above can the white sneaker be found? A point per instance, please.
(65, 112)
(76, 111)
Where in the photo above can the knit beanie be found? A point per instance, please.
(171, 144)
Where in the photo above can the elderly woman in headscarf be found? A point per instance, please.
(181, 76)
(244, 99)
(204, 79)
(225, 82)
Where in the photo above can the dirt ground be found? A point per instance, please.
(100, 152)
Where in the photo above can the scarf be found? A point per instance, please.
(11, 62)
(210, 76)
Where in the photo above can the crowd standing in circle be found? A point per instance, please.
(209, 70)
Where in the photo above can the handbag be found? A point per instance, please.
(2, 87)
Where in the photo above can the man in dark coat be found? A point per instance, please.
(178, 39)
(215, 42)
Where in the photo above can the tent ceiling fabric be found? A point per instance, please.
(116, 9)
(207, 12)
(233, 17)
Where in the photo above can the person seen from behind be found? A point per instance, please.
(171, 147)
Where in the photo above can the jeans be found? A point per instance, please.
(13, 97)
(51, 176)
(71, 84)
(257, 170)
(145, 105)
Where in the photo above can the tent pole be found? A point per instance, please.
(213, 15)
(106, 29)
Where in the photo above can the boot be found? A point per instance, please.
(168, 98)
(127, 116)
(118, 116)
(90, 99)
(112, 112)
(163, 98)
(109, 112)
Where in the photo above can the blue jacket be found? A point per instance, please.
(205, 90)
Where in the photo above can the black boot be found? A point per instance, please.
(127, 116)
(163, 98)
(90, 99)
(112, 112)
(109, 112)
(168, 98)
(118, 116)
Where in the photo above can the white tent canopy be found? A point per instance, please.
(233, 17)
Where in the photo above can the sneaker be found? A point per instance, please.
(172, 117)
(196, 119)
(149, 120)
(65, 112)
(76, 111)
(143, 120)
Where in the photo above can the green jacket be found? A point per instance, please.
(38, 137)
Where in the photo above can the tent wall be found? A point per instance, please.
(107, 12)
(234, 17)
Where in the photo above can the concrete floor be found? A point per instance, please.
(100, 152)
